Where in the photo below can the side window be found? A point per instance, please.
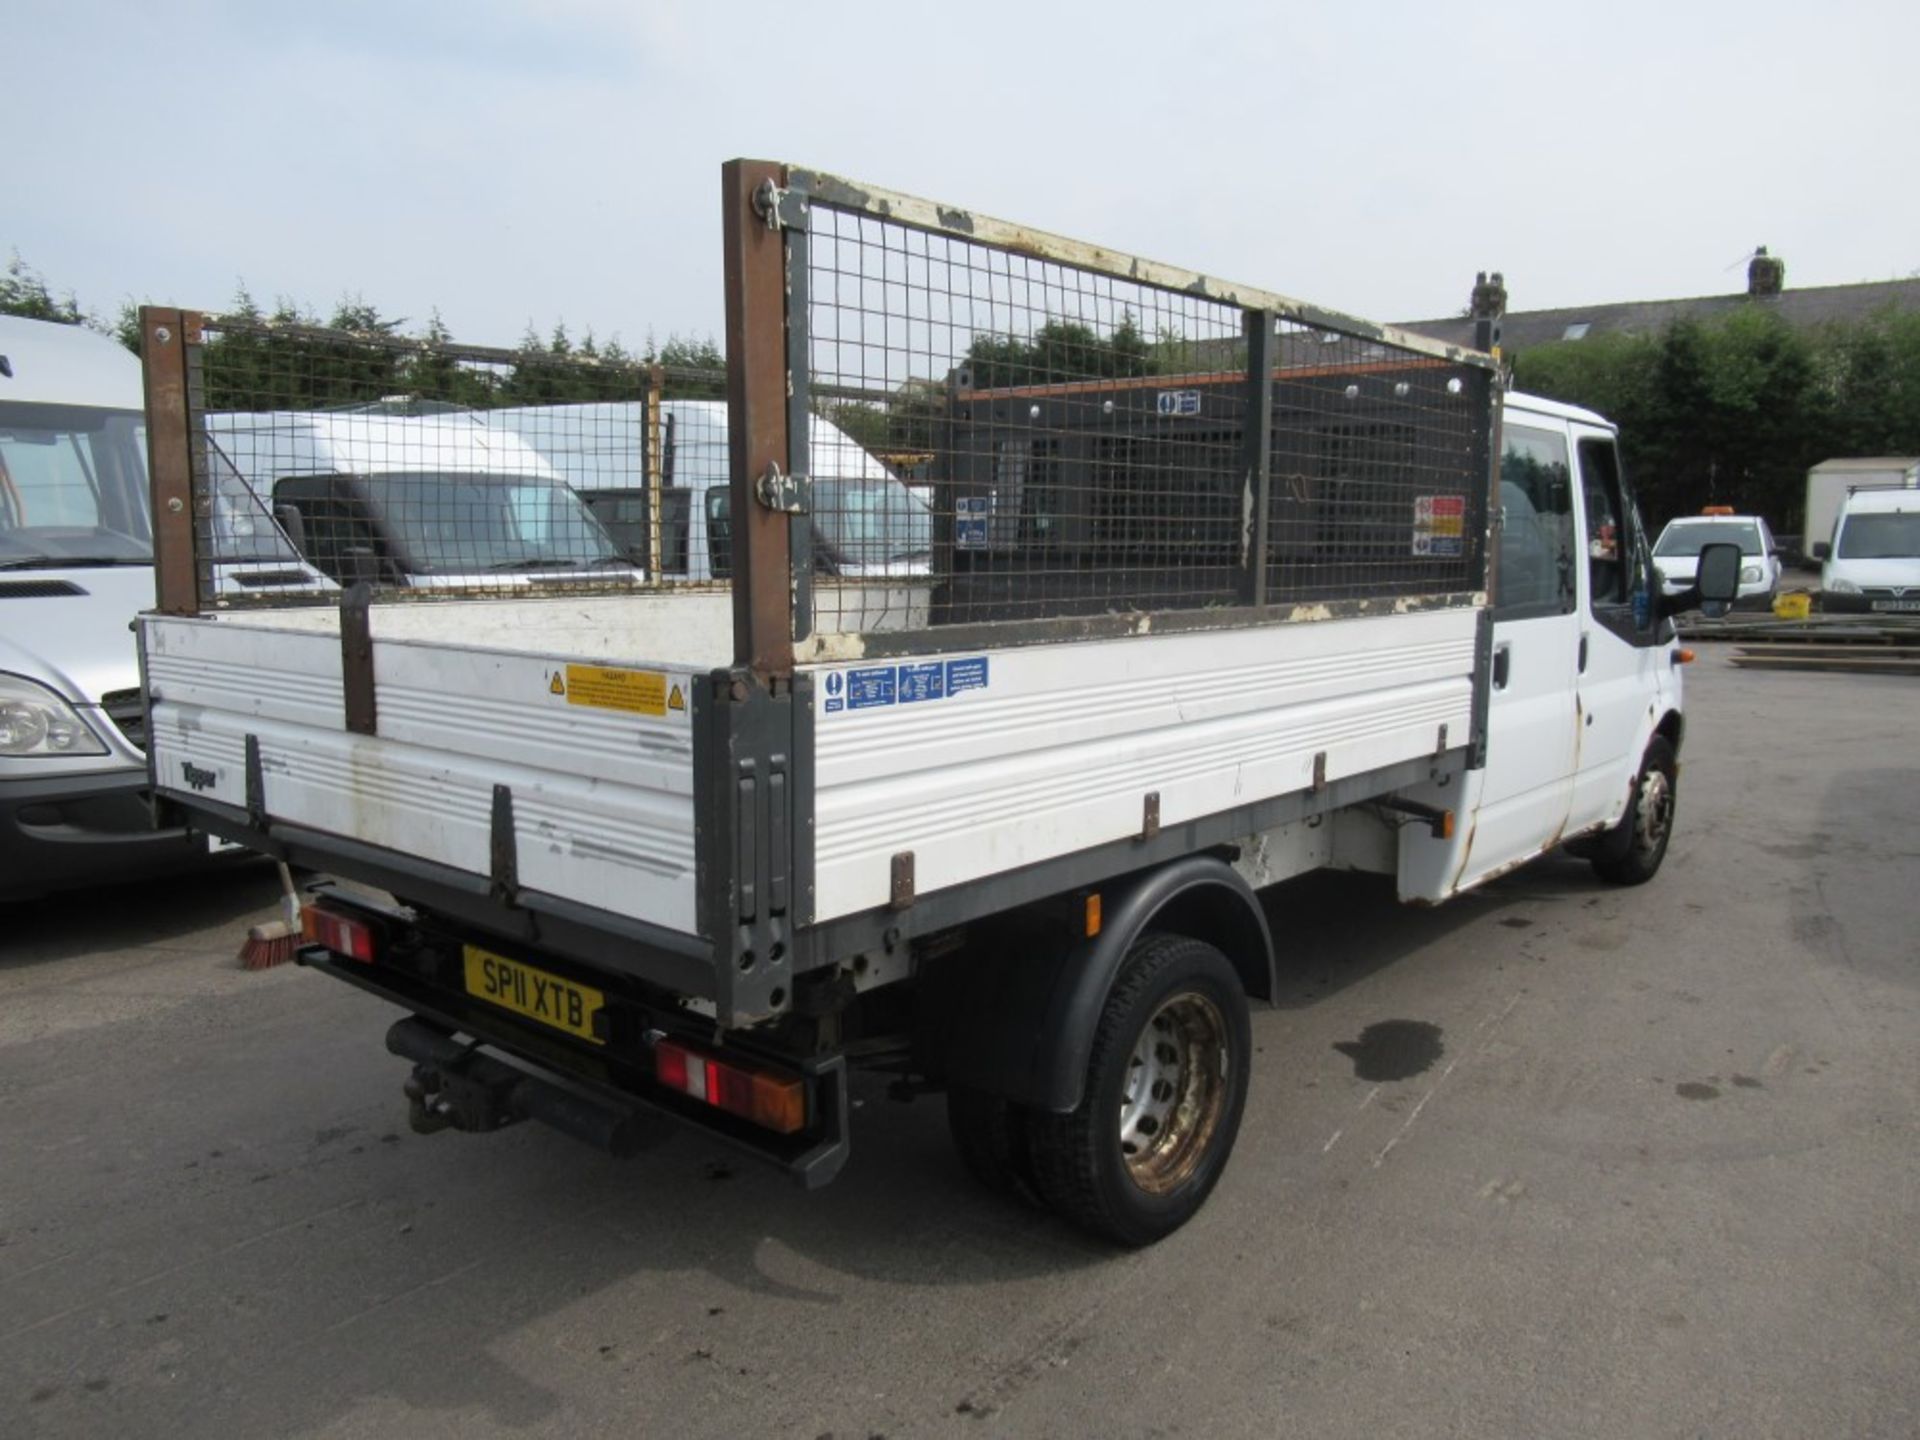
(1534, 574)
(1619, 563)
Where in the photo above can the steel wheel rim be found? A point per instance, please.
(1654, 812)
(1174, 1092)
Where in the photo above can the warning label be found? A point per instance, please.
(1439, 524)
(638, 692)
(906, 684)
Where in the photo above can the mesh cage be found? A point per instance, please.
(322, 458)
(1003, 434)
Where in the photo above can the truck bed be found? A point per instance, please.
(544, 697)
(1035, 753)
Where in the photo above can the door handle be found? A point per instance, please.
(1502, 665)
(1583, 652)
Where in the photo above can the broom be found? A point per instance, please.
(274, 943)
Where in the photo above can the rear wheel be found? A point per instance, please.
(990, 1134)
(1632, 852)
(1166, 1084)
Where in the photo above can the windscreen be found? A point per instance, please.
(73, 486)
(1880, 537)
(1688, 538)
(458, 523)
(872, 522)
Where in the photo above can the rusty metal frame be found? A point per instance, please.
(1258, 326)
(844, 194)
(758, 418)
(166, 334)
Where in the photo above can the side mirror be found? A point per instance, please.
(1718, 578)
(290, 521)
(1822, 550)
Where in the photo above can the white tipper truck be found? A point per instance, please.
(1302, 592)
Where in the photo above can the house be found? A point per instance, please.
(1803, 309)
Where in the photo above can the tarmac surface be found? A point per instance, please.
(1555, 1160)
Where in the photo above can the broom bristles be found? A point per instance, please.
(268, 945)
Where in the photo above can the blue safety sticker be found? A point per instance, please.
(874, 686)
(966, 674)
(924, 681)
(906, 684)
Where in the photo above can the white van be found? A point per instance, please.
(76, 566)
(867, 523)
(1873, 564)
(440, 501)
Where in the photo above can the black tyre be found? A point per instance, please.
(1166, 1083)
(991, 1135)
(1632, 851)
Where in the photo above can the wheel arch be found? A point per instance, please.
(1029, 1020)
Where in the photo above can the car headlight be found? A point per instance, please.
(1749, 574)
(35, 721)
(1843, 587)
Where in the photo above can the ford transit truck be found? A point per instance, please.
(1272, 590)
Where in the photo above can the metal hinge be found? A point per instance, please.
(780, 207)
(780, 491)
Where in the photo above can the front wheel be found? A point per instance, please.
(1632, 853)
(1166, 1084)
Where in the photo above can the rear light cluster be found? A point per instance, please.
(778, 1102)
(339, 933)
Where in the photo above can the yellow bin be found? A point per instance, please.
(1794, 605)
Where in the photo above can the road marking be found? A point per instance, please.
(1484, 1029)
(1334, 1138)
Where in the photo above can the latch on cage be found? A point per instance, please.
(780, 206)
(780, 491)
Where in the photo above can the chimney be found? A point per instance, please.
(1488, 305)
(1765, 274)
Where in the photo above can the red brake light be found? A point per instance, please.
(339, 933)
(776, 1101)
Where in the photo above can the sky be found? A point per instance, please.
(523, 162)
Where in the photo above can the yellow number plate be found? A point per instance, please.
(534, 993)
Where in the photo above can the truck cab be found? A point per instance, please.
(1584, 692)
(76, 567)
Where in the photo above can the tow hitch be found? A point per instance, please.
(454, 1086)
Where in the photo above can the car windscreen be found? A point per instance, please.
(1689, 537)
(1880, 537)
(872, 522)
(73, 486)
(452, 523)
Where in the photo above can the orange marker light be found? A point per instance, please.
(1684, 657)
(1093, 915)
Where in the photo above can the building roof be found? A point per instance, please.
(1802, 309)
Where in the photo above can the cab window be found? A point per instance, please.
(1619, 563)
(1535, 568)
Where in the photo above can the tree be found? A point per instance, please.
(1060, 350)
(24, 292)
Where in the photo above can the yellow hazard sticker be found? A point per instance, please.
(556, 686)
(638, 692)
(676, 699)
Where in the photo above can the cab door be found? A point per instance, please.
(1618, 654)
(1517, 804)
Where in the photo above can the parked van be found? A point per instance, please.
(438, 501)
(867, 523)
(1873, 564)
(76, 566)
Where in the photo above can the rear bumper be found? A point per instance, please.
(603, 1094)
(70, 831)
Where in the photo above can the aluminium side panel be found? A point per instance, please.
(598, 759)
(982, 762)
